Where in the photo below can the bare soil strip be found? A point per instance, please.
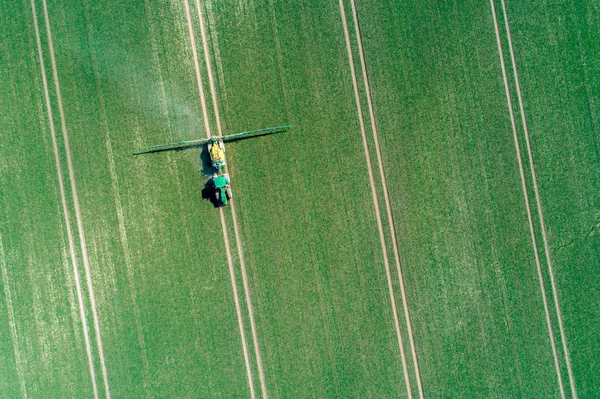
(237, 303)
(86, 262)
(222, 214)
(538, 200)
(197, 68)
(64, 204)
(375, 203)
(12, 323)
(215, 101)
(238, 242)
(207, 59)
(386, 196)
(527, 204)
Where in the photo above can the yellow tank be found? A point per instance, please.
(216, 148)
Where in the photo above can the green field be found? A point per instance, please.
(429, 227)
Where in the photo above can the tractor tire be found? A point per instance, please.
(229, 194)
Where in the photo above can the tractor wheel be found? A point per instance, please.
(227, 178)
(229, 194)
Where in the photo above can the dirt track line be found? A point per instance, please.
(386, 196)
(213, 92)
(236, 297)
(207, 59)
(237, 302)
(61, 185)
(78, 217)
(197, 68)
(527, 204)
(374, 196)
(538, 201)
(12, 322)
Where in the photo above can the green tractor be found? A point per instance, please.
(222, 190)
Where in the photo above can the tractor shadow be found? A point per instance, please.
(206, 168)
(208, 193)
(207, 172)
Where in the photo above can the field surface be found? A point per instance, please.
(429, 226)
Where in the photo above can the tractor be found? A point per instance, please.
(222, 190)
(216, 149)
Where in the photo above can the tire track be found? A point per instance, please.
(197, 69)
(221, 211)
(536, 190)
(78, 216)
(213, 92)
(374, 197)
(526, 198)
(64, 204)
(386, 196)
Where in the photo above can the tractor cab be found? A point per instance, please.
(222, 189)
(216, 149)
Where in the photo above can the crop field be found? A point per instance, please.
(428, 227)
